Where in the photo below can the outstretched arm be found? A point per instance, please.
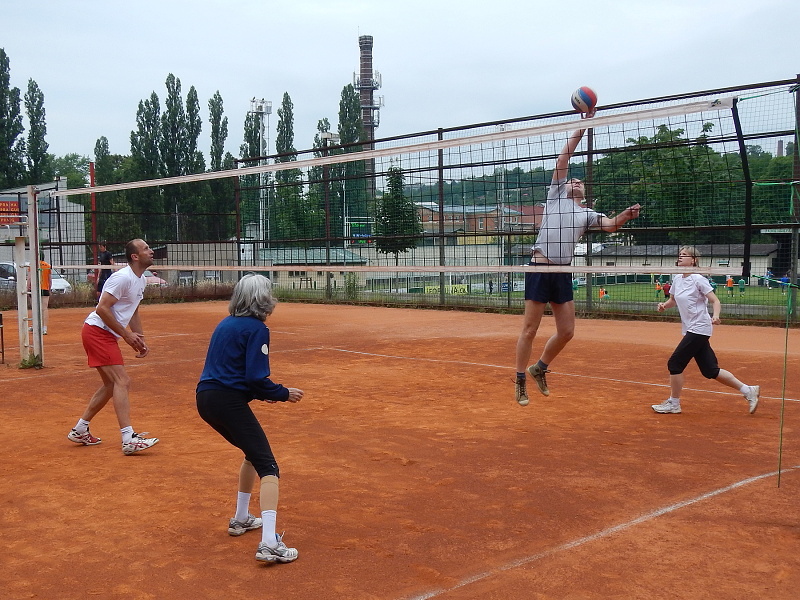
(612, 224)
(562, 164)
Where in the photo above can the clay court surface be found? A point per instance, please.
(408, 470)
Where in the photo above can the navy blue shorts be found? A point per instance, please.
(548, 287)
(229, 413)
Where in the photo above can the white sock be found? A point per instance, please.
(242, 506)
(127, 434)
(674, 400)
(268, 518)
(744, 389)
(82, 426)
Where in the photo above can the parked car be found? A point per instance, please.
(153, 278)
(8, 276)
(58, 284)
(8, 279)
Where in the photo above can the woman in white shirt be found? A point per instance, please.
(691, 293)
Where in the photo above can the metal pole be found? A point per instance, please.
(33, 273)
(441, 219)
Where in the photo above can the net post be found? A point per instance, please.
(440, 175)
(748, 190)
(33, 274)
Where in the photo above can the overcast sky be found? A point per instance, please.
(443, 62)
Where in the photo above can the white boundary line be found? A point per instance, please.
(594, 536)
(628, 381)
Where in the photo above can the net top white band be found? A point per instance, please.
(506, 134)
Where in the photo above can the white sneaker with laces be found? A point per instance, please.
(239, 527)
(667, 407)
(279, 553)
(138, 443)
(752, 395)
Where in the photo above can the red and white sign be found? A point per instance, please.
(9, 212)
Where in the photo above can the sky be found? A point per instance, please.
(443, 63)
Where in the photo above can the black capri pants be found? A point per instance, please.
(697, 347)
(229, 413)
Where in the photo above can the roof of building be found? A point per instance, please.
(310, 256)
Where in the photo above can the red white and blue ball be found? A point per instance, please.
(584, 99)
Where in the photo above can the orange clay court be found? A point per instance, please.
(408, 470)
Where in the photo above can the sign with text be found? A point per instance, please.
(9, 212)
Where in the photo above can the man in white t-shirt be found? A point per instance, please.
(565, 220)
(116, 316)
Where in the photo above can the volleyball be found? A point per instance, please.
(584, 99)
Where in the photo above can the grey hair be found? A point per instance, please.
(252, 297)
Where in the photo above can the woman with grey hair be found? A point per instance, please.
(237, 371)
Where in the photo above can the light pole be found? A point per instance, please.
(327, 138)
(262, 108)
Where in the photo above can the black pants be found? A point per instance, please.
(229, 413)
(697, 347)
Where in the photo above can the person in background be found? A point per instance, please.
(45, 272)
(104, 257)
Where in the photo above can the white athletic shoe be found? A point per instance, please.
(751, 395)
(279, 553)
(138, 443)
(239, 527)
(667, 407)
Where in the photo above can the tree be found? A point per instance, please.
(74, 167)
(147, 164)
(292, 214)
(194, 125)
(397, 222)
(356, 190)
(219, 131)
(221, 221)
(39, 169)
(12, 146)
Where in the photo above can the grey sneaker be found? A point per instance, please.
(667, 407)
(521, 391)
(538, 376)
(239, 527)
(279, 553)
(752, 394)
(138, 443)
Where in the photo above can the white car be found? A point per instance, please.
(153, 278)
(8, 279)
(58, 284)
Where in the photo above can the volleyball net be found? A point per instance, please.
(450, 215)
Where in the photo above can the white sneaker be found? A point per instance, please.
(280, 553)
(667, 407)
(138, 443)
(239, 527)
(751, 395)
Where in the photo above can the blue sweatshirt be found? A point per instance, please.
(238, 358)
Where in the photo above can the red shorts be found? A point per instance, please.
(101, 346)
